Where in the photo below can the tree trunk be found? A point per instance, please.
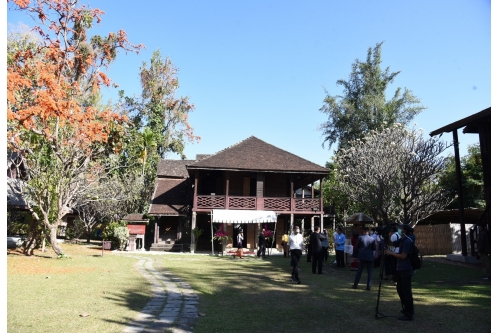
(89, 234)
(53, 240)
(33, 237)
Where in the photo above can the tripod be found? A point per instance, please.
(378, 314)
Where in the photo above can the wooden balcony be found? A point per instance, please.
(284, 205)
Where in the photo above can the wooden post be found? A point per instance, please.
(461, 214)
(226, 205)
(193, 238)
(195, 191)
(155, 237)
(321, 200)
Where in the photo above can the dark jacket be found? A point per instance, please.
(316, 240)
(365, 246)
(262, 240)
(483, 242)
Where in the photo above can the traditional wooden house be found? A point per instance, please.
(247, 186)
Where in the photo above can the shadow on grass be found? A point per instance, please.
(259, 293)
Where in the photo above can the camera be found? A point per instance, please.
(384, 230)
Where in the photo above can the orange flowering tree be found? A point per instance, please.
(66, 142)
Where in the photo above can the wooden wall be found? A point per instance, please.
(440, 239)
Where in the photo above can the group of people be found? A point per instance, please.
(262, 245)
(368, 248)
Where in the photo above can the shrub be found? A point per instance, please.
(117, 233)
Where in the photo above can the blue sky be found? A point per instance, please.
(261, 67)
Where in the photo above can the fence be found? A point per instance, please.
(441, 239)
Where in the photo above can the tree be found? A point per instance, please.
(393, 174)
(160, 117)
(342, 206)
(109, 200)
(364, 107)
(472, 179)
(63, 140)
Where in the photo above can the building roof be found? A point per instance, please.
(471, 215)
(14, 197)
(471, 122)
(253, 154)
(173, 168)
(171, 197)
(135, 217)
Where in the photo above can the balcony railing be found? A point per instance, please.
(209, 202)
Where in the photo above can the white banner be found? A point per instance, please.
(242, 216)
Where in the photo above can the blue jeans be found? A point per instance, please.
(369, 268)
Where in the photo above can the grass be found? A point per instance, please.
(45, 294)
(247, 295)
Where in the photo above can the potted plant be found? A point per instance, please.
(269, 237)
(197, 233)
(221, 237)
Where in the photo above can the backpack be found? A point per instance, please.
(415, 260)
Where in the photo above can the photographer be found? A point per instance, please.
(404, 272)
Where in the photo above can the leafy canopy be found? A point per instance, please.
(363, 106)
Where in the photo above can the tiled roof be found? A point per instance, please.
(14, 198)
(255, 154)
(173, 168)
(171, 197)
(135, 218)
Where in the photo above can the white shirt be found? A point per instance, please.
(395, 236)
(296, 241)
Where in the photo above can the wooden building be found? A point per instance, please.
(477, 123)
(250, 176)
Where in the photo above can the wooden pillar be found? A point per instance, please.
(226, 206)
(155, 237)
(321, 200)
(179, 228)
(257, 234)
(485, 148)
(291, 224)
(461, 214)
(195, 190)
(193, 238)
(157, 234)
(321, 221)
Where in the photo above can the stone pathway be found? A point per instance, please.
(173, 307)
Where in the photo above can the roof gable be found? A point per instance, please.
(257, 155)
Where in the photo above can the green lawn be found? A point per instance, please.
(247, 295)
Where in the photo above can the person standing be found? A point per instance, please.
(262, 244)
(324, 245)
(296, 243)
(284, 243)
(239, 243)
(483, 251)
(339, 247)
(316, 247)
(395, 236)
(404, 272)
(366, 246)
